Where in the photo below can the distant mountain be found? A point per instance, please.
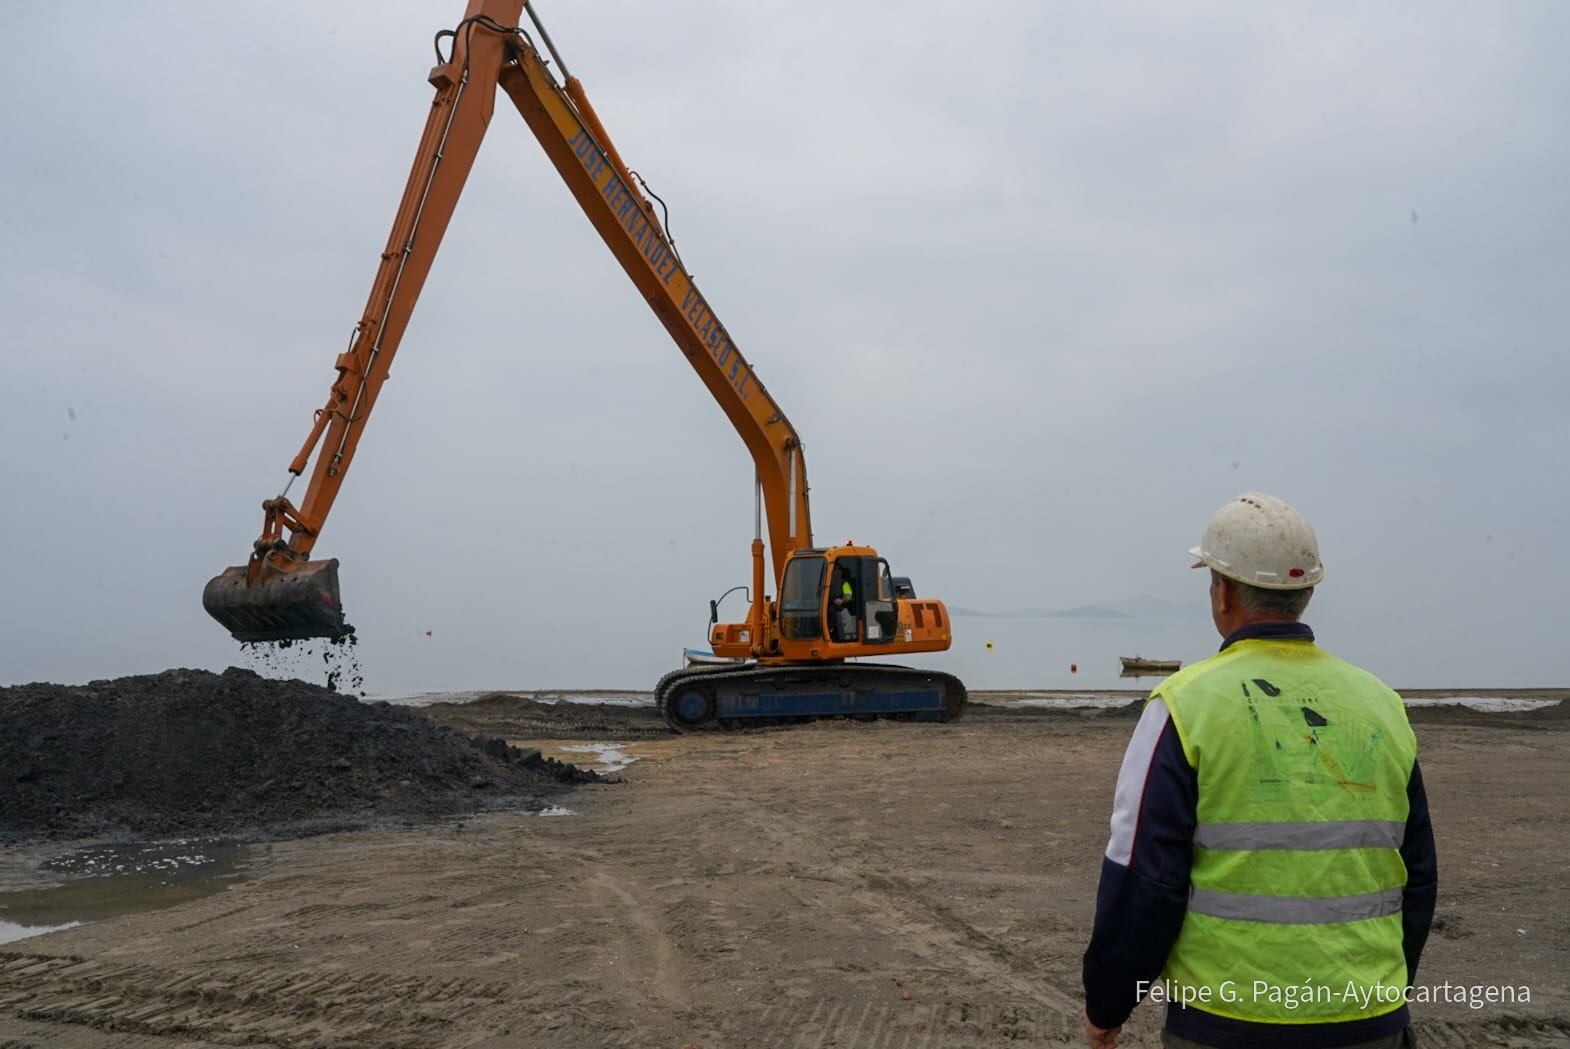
(970, 613)
(1144, 606)
(1078, 612)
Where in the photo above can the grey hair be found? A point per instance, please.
(1277, 604)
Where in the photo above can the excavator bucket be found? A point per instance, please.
(286, 606)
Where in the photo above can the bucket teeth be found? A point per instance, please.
(289, 606)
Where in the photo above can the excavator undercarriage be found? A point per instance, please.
(710, 697)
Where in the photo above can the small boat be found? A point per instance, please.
(1140, 665)
(698, 657)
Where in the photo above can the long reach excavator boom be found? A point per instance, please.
(834, 604)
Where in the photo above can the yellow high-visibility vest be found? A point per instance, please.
(1295, 907)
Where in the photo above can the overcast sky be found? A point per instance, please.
(1041, 285)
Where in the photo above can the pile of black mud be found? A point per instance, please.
(192, 752)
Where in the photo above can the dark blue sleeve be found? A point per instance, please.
(1422, 874)
(1140, 903)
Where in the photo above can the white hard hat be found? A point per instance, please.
(1260, 540)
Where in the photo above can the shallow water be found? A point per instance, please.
(10, 931)
(608, 757)
(1495, 704)
(42, 892)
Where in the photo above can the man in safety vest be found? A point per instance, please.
(1270, 874)
(844, 605)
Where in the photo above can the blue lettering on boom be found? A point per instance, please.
(715, 338)
(583, 146)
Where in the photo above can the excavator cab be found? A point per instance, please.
(840, 598)
(836, 604)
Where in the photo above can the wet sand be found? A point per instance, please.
(838, 883)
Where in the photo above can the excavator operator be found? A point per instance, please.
(844, 604)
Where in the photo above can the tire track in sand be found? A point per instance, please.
(292, 1009)
(906, 914)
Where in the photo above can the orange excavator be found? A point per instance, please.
(790, 659)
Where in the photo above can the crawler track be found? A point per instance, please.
(706, 697)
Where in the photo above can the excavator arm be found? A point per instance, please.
(280, 593)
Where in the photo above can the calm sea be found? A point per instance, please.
(1440, 650)
(997, 652)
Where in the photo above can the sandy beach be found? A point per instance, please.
(837, 883)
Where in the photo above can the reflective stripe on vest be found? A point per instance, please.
(1295, 910)
(1302, 763)
(1298, 837)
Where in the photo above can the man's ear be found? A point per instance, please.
(1226, 593)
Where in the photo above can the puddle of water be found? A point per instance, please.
(608, 757)
(1067, 702)
(10, 931)
(557, 810)
(47, 893)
